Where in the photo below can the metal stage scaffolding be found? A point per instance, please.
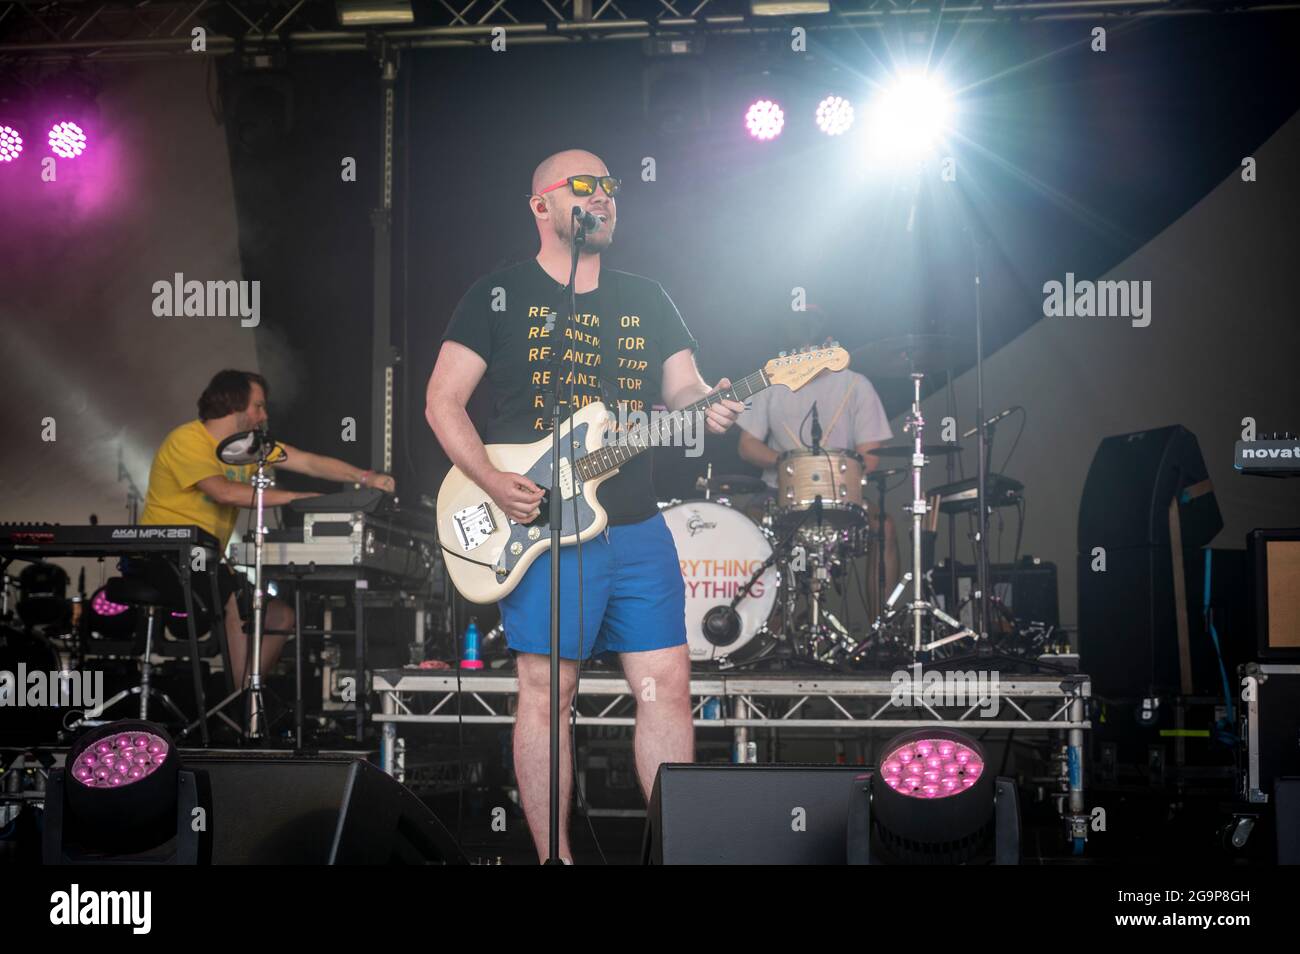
(741, 702)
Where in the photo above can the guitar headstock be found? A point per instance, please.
(797, 368)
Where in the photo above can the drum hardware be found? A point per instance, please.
(728, 485)
(920, 608)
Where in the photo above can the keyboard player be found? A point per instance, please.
(188, 484)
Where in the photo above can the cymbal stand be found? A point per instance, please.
(921, 608)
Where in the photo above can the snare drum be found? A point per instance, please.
(834, 477)
(719, 549)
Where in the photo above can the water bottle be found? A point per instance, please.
(469, 659)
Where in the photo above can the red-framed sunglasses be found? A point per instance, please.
(586, 185)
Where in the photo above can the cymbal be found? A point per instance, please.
(904, 355)
(905, 450)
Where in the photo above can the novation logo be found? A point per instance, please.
(94, 908)
(1271, 453)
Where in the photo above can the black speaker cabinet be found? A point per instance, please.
(264, 808)
(1129, 612)
(750, 814)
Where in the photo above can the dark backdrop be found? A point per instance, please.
(1068, 159)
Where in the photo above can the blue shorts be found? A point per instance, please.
(634, 599)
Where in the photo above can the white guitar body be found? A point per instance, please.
(486, 552)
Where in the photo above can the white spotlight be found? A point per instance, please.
(834, 115)
(908, 117)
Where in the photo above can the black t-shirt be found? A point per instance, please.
(625, 329)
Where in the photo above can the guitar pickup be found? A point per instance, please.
(474, 525)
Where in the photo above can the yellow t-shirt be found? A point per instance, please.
(188, 455)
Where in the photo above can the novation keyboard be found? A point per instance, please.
(1278, 457)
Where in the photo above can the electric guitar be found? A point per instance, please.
(487, 553)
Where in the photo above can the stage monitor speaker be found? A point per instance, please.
(1133, 478)
(1275, 583)
(1146, 513)
(750, 814)
(268, 808)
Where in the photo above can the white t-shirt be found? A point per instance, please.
(776, 414)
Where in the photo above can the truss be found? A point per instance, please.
(117, 29)
(1025, 702)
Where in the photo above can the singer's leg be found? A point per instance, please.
(645, 623)
(532, 748)
(665, 732)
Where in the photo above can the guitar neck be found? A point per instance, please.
(659, 432)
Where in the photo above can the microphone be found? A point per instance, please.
(721, 625)
(588, 222)
(816, 431)
(990, 422)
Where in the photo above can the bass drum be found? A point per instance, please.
(719, 549)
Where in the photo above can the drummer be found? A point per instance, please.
(777, 420)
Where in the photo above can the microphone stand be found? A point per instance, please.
(981, 481)
(556, 516)
(256, 703)
(980, 613)
(133, 495)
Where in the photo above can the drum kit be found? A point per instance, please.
(761, 566)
